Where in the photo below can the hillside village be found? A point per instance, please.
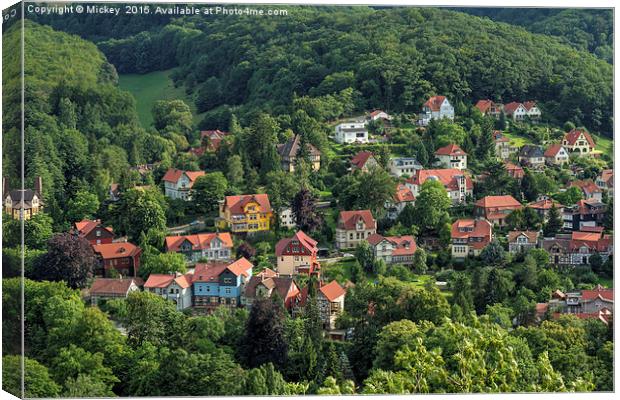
(320, 228)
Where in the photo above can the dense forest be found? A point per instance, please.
(584, 29)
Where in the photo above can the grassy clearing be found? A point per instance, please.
(603, 144)
(148, 88)
(517, 140)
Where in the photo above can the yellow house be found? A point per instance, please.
(245, 213)
(24, 203)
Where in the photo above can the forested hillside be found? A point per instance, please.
(392, 58)
(584, 29)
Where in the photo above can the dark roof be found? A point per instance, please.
(530, 151)
(291, 148)
(281, 285)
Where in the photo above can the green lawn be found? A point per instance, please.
(603, 144)
(517, 140)
(148, 88)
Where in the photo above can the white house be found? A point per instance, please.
(178, 183)
(437, 107)
(379, 114)
(532, 110)
(351, 132)
(400, 166)
(451, 156)
(174, 287)
(516, 111)
(286, 218)
(457, 184)
(556, 155)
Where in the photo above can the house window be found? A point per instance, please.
(227, 291)
(227, 280)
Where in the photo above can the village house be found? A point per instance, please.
(266, 284)
(23, 204)
(219, 283)
(556, 155)
(576, 248)
(451, 156)
(210, 246)
(289, 152)
(605, 181)
(112, 288)
(213, 139)
(496, 208)
(489, 108)
(586, 213)
(469, 237)
(515, 171)
(364, 161)
(503, 149)
(532, 156)
(393, 249)
(589, 189)
(402, 197)
(354, 227)
(330, 298)
(458, 185)
(351, 132)
(245, 213)
(578, 142)
(533, 111)
(296, 255)
(436, 107)
(174, 287)
(379, 115)
(94, 231)
(522, 241)
(543, 206)
(404, 166)
(286, 218)
(124, 257)
(178, 183)
(596, 304)
(516, 111)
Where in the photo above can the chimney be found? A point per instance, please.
(38, 186)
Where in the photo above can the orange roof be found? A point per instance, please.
(165, 280)
(553, 150)
(511, 107)
(403, 194)
(435, 102)
(116, 250)
(572, 137)
(361, 158)
(544, 204)
(267, 273)
(236, 203)
(484, 105)
(498, 201)
(529, 105)
(466, 228)
(498, 136)
(599, 291)
(588, 186)
(111, 286)
(586, 236)
(241, 267)
(447, 177)
(348, 219)
(532, 236)
(332, 290)
(199, 241)
(173, 175)
(450, 150)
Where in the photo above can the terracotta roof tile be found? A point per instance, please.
(348, 219)
(236, 203)
(332, 290)
(361, 158)
(435, 102)
(199, 241)
(498, 201)
(450, 150)
(572, 137)
(111, 286)
(304, 240)
(116, 250)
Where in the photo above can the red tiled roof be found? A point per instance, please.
(208, 272)
(361, 158)
(498, 201)
(241, 267)
(553, 150)
(304, 240)
(541, 308)
(173, 175)
(484, 105)
(544, 204)
(165, 280)
(332, 290)
(85, 226)
(267, 273)
(199, 241)
(529, 104)
(572, 137)
(450, 150)
(403, 245)
(116, 250)
(376, 112)
(479, 228)
(113, 286)
(236, 203)
(446, 176)
(607, 175)
(349, 219)
(532, 236)
(403, 194)
(588, 186)
(435, 102)
(197, 151)
(511, 107)
(599, 291)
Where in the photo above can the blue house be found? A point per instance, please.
(218, 284)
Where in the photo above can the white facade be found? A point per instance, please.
(446, 110)
(182, 297)
(520, 113)
(351, 132)
(379, 115)
(179, 189)
(534, 112)
(400, 166)
(452, 161)
(287, 219)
